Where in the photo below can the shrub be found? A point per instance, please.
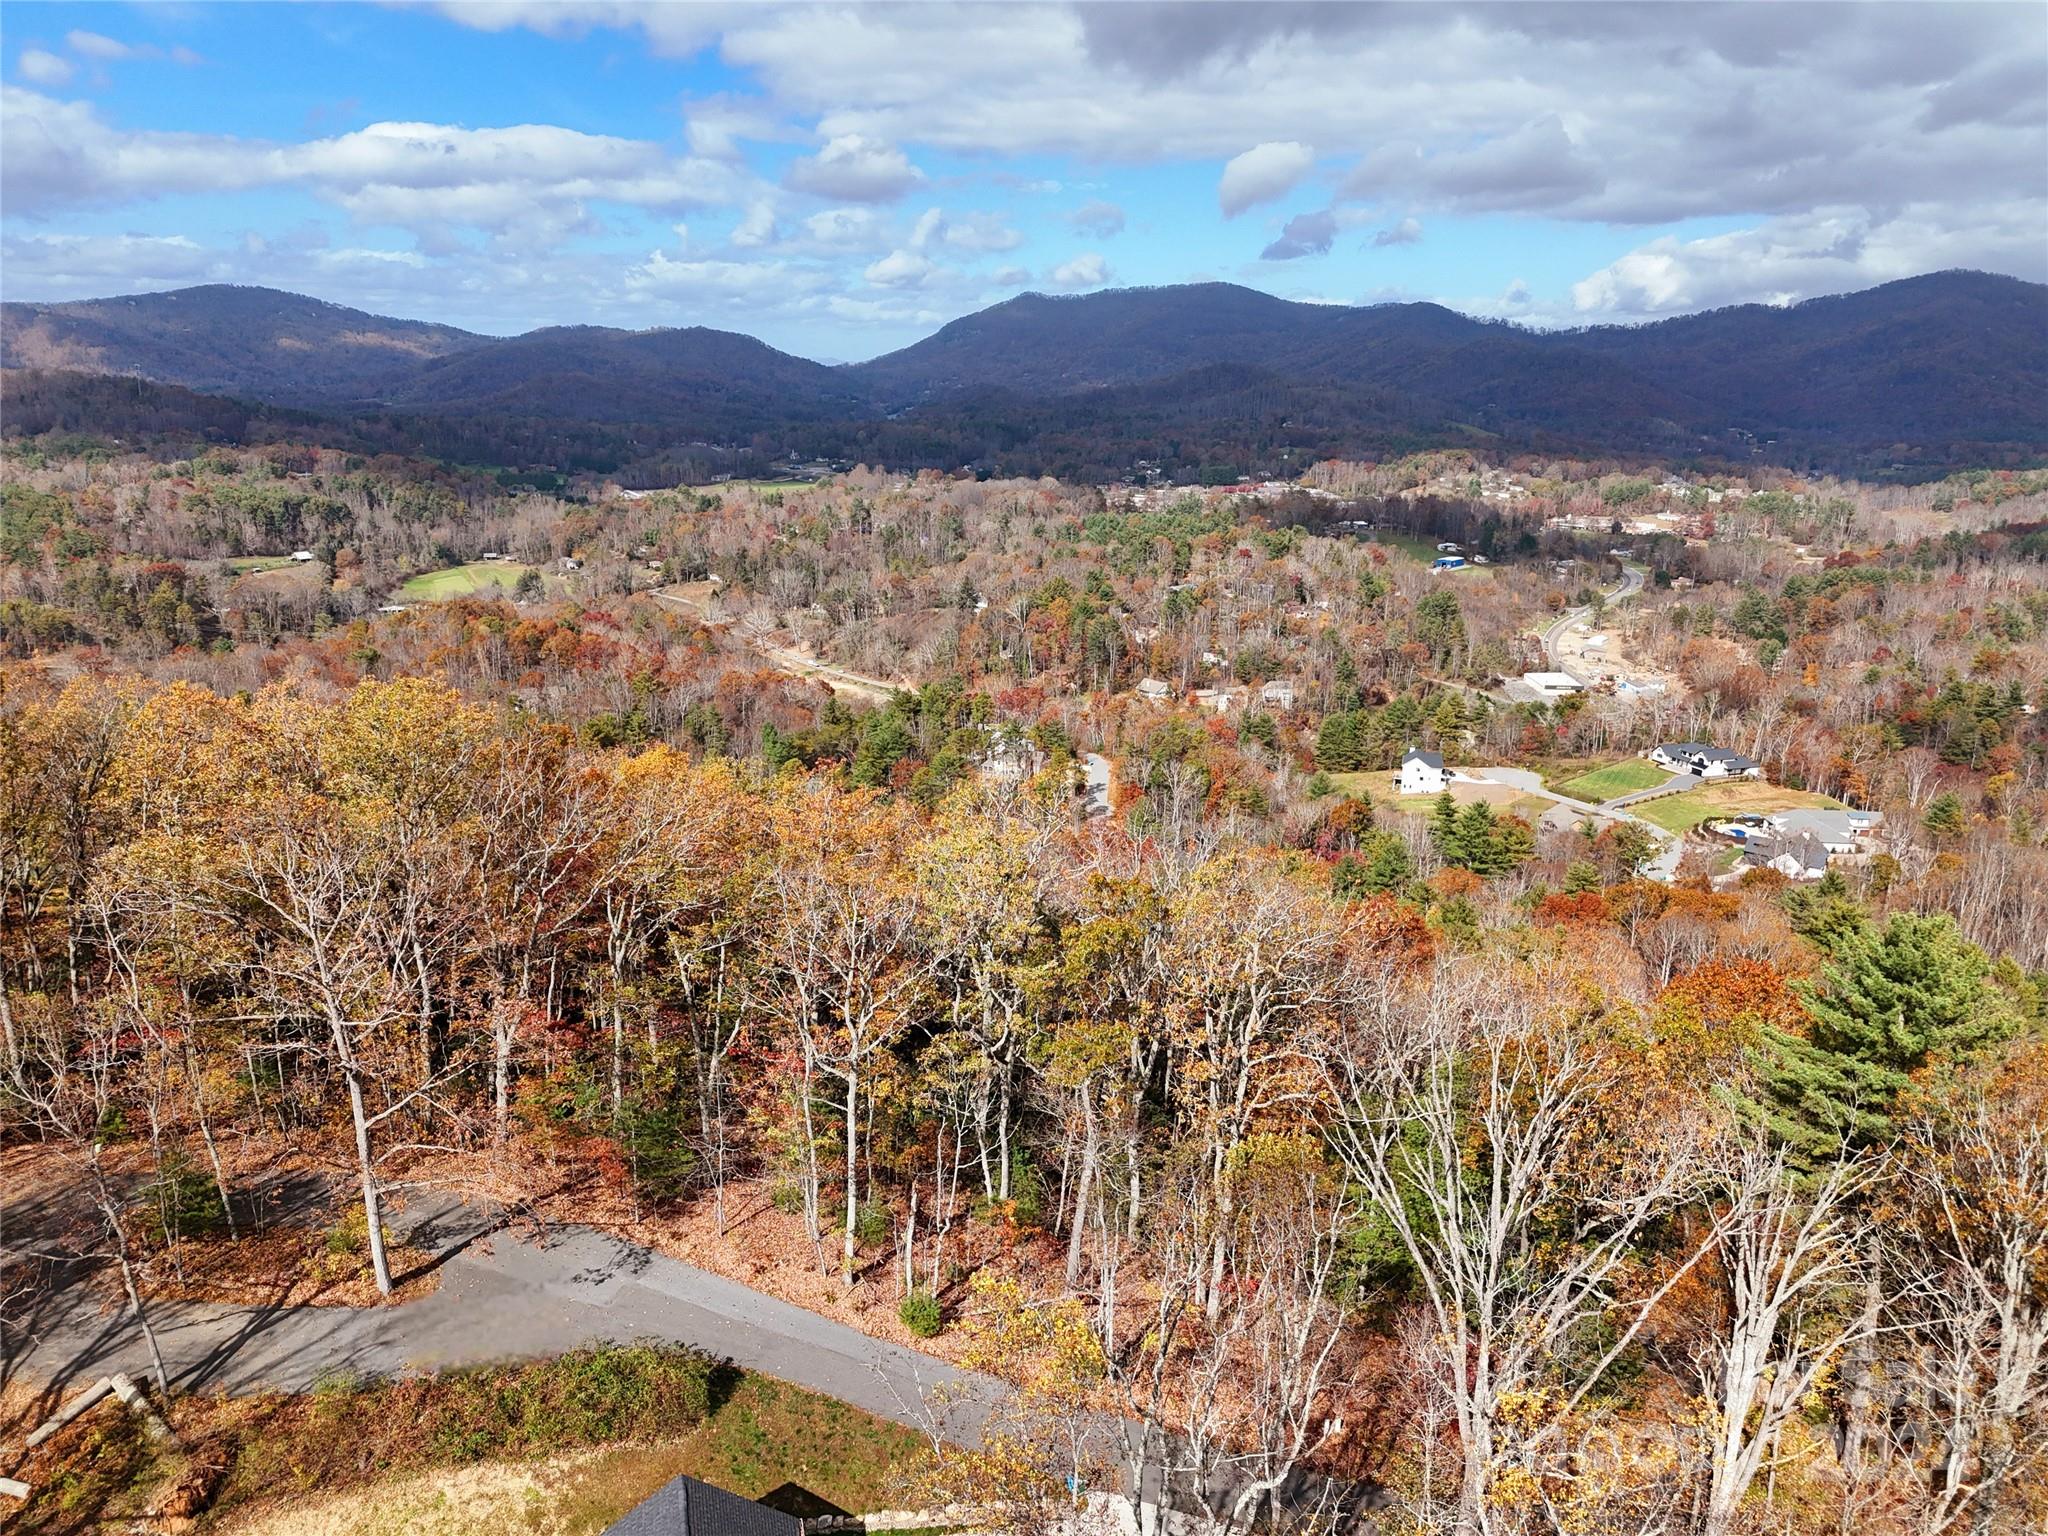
(922, 1314)
(871, 1226)
(182, 1201)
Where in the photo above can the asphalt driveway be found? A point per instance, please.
(502, 1298)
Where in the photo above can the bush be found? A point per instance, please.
(183, 1201)
(788, 1199)
(871, 1226)
(922, 1314)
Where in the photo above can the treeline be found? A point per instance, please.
(1634, 1210)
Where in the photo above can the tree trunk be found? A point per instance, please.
(1082, 1185)
(373, 1201)
(852, 1168)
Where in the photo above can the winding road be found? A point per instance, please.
(795, 660)
(501, 1299)
(1631, 584)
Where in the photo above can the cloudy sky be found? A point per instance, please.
(841, 179)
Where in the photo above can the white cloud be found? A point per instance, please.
(102, 49)
(1407, 232)
(855, 169)
(1088, 270)
(40, 68)
(853, 229)
(1828, 251)
(1012, 277)
(756, 227)
(1306, 234)
(1261, 174)
(900, 269)
(1100, 219)
(416, 175)
(982, 234)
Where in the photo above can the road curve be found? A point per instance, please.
(501, 1299)
(1631, 584)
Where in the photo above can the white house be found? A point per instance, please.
(1553, 685)
(1800, 857)
(1709, 762)
(1838, 831)
(302, 555)
(1279, 693)
(1422, 773)
(1155, 690)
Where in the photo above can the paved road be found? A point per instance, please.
(796, 660)
(1631, 584)
(501, 1298)
(1566, 813)
(1095, 770)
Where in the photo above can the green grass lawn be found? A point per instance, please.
(1622, 778)
(244, 565)
(463, 580)
(1681, 813)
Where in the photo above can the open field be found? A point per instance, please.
(758, 485)
(1680, 813)
(1622, 778)
(463, 580)
(244, 565)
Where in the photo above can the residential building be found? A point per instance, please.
(1155, 690)
(685, 1506)
(1279, 693)
(1553, 685)
(1705, 760)
(1799, 857)
(1839, 832)
(1422, 773)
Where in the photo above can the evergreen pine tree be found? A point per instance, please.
(1891, 1000)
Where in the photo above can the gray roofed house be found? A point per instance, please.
(1704, 759)
(1422, 773)
(687, 1507)
(1801, 856)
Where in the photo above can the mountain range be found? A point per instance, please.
(1930, 372)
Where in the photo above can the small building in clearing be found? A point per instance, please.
(1422, 773)
(1154, 690)
(1553, 685)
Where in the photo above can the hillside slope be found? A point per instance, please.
(259, 343)
(1946, 369)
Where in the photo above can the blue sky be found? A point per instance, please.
(840, 180)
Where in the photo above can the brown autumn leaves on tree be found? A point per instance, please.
(1255, 1147)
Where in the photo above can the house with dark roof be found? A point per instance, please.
(688, 1507)
(1705, 760)
(1799, 856)
(1422, 773)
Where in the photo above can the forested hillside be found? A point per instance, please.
(1912, 378)
(986, 913)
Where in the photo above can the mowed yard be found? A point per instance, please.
(1626, 777)
(1384, 790)
(463, 580)
(1681, 813)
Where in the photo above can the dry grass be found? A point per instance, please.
(1681, 813)
(562, 1446)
